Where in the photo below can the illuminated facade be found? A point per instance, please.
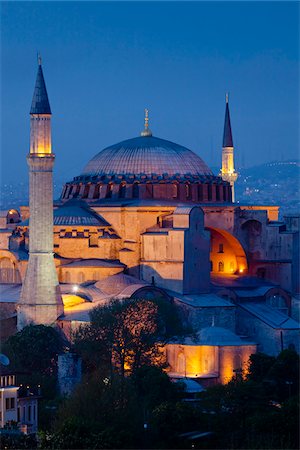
(146, 217)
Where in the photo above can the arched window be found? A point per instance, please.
(122, 190)
(8, 271)
(97, 190)
(174, 190)
(135, 190)
(80, 277)
(188, 191)
(217, 193)
(109, 190)
(221, 266)
(86, 191)
(211, 266)
(78, 186)
(209, 192)
(200, 192)
(95, 276)
(225, 193)
(67, 277)
(64, 191)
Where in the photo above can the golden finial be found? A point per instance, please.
(227, 97)
(146, 118)
(146, 131)
(39, 58)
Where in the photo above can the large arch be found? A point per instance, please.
(227, 255)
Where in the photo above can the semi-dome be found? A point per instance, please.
(146, 155)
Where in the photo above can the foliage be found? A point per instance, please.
(33, 355)
(260, 411)
(34, 349)
(16, 440)
(110, 414)
(259, 366)
(123, 335)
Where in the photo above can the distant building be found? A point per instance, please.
(145, 218)
(18, 404)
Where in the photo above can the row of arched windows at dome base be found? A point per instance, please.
(181, 191)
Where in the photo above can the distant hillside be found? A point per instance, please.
(274, 183)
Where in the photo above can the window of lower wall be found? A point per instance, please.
(10, 403)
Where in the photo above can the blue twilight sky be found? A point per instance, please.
(104, 62)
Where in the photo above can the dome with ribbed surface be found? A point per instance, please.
(146, 155)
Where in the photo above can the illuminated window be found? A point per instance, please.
(175, 190)
(188, 191)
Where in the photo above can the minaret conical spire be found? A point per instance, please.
(227, 135)
(40, 102)
(228, 172)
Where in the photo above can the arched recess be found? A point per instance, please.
(13, 216)
(9, 272)
(151, 293)
(227, 255)
(252, 236)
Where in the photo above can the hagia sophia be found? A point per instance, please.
(147, 218)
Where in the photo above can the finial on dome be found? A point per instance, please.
(39, 58)
(146, 131)
(227, 97)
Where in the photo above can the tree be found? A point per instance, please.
(34, 349)
(123, 335)
(95, 416)
(33, 353)
(259, 366)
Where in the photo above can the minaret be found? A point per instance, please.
(227, 172)
(40, 301)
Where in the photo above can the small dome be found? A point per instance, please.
(146, 155)
(218, 336)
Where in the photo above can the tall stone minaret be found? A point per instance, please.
(40, 301)
(227, 172)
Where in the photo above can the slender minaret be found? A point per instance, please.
(40, 301)
(227, 172)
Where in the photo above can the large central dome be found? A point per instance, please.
(146, 155)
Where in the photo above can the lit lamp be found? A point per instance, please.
(75, 288)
